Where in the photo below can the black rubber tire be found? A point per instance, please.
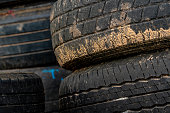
(6, 1)
(2, 2)
(21, 93)
(90, 31)
(25, 39)
(13, 3)
(135, 83)
(51, 85)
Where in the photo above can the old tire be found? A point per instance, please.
(21, 93)
(85, 32)
(14, 3)
(134, 84)
(51, 83)
(25, 39)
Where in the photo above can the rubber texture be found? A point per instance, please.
(9, 1)
(6, 1)
(21, 93)
(157, 109)
(25, 39)
(126, 85)
(14, 3)
(90, 31)
(51, 85)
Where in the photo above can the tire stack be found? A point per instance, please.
(21, 93)
(25, 45)
(119, 52)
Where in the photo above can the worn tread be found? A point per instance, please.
(21, 93)
(13, 3)
(157, 109)
(120, 81)
(28, 108)
(51, 85)
(20, 83)
(25, 39)
(104, 32)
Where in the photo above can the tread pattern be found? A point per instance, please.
(116, 92)
(51, 85)
(140, 82)
(13, 3)
(20, 83)
(81, 31)
(157, 109)
(19, 99)
(133, 103)
(25, 37)
(29, 108)
(21, 93)
(116, 72)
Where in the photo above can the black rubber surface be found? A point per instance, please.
(5, 1)
(51, 83)
(133, 84)
(25, 39)
(91, 31)
(13, 3)
(21, 93)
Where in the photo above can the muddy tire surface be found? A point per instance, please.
(85, 32)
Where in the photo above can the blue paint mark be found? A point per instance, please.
(62, 79)
(52, 71)
(57, 70)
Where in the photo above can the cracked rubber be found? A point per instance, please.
(21, 93)
(25, 39)
(132, 84)
(86, 32)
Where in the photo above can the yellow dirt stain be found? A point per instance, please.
(124, 36)
(76, 32)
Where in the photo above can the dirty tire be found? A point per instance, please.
(25, 39)
(21, 93)
(125, 85)
(92, 31)
(51, 85)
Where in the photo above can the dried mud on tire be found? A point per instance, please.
(86, 32)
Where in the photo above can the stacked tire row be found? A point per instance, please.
(21, 93)
(119, 52)
(51, 84)
(25, 37)
(25, 47)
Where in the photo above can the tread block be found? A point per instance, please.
(83, 13)
(97, 9)
(150, 12)
(163, 10)
(138, 3)
(103, 23)
(125, 4)
(89, 27)
(111, 6)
